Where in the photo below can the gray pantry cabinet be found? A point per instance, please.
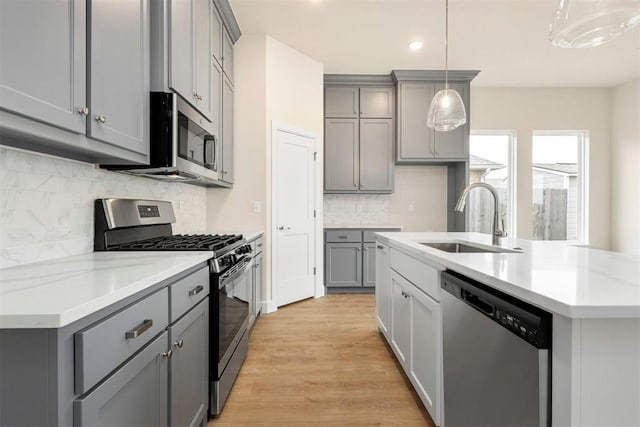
(350, 259)
(82, 91)
(142, 361)
(227, 130)
(359, 134)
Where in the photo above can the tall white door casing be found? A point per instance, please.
(293, 220)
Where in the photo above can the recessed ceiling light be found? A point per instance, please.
(416, 45)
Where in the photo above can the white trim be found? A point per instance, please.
(318, 282)
(582, 179)
(269, 306)
(511, 170)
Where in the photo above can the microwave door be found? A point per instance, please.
(210, 152)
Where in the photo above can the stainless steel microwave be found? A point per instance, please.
(183, 143)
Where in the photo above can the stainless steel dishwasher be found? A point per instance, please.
(496, 357)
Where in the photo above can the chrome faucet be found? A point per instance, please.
(498, 231)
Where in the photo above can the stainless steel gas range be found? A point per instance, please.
(145, 225)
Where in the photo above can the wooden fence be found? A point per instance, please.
(550, 216)
(480, 208)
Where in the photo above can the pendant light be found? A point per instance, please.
(446, 111)
(588, 23)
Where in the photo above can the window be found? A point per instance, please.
(559, 162)
(492, 155)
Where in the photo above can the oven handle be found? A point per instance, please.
(229, 277)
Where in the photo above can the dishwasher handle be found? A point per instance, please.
(477, 302)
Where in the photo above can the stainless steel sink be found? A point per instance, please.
(457, 247)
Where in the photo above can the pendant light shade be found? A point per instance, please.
(589, 23)
(446, 111)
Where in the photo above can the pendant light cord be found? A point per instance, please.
(446, 45)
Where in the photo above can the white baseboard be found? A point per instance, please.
(269, 306)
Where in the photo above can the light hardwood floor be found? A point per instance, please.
(321, 362)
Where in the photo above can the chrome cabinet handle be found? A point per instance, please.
(84, 111)
(141, 329)
(178, 344)
(342, 236)
(196, 290)
(281, 228)
(167, 354)
(101, 119)
(380, 247)
(224, 172)
(358, 249)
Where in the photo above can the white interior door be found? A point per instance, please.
(293, 216)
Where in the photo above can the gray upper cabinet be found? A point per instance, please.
(376, 102)
(341, 102)
(227, 55)
(341, 163)
(216, 35)
(119, 76)
(216, 114)
(376, 154)
(417, 143)
(43, 70)
(227, 131)
(359, 134)
(190, 52)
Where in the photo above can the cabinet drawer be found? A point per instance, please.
(100, 348)
(424, 277)
(369, 235)
(343, 236)
(256, 246)
(188, 291)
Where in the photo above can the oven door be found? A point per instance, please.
(234, 294)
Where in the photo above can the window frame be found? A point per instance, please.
(512, 228)
(582, 190)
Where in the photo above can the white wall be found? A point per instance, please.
(273, 83)
(418, 203)
(529, 109)
(46, 204)
(625, 168)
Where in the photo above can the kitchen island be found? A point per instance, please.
(593, 296)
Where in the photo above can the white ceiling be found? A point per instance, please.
(505, 39)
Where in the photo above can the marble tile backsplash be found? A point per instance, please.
(356, 209)
(46, 204)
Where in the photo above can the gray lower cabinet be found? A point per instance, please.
(119, 73)
(350, 259)
(189, 360)
(343, 264)
(227, 130)
(135, 395)
(257, 284)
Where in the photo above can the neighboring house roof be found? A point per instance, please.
(476, 162)
(565, 169)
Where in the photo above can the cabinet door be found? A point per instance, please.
(189, 390)
(216, 112)
(454, 144)
(43, 66)
(341, 158)
(227, 55)
(369, 267)
(216, 35)
(227, 130)
(344, 264)
(376, 155)
(135, 395)
(181, 49)
(119, 73)
(376, 102)
(258, 284)
(383, 302)
(341, 102)
(425, 361)
(400, 318)
(415, 139)
(203, 62)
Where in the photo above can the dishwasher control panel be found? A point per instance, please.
(517, 325)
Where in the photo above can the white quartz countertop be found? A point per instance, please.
(572, 281)
(360, 226)
(55, 293)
